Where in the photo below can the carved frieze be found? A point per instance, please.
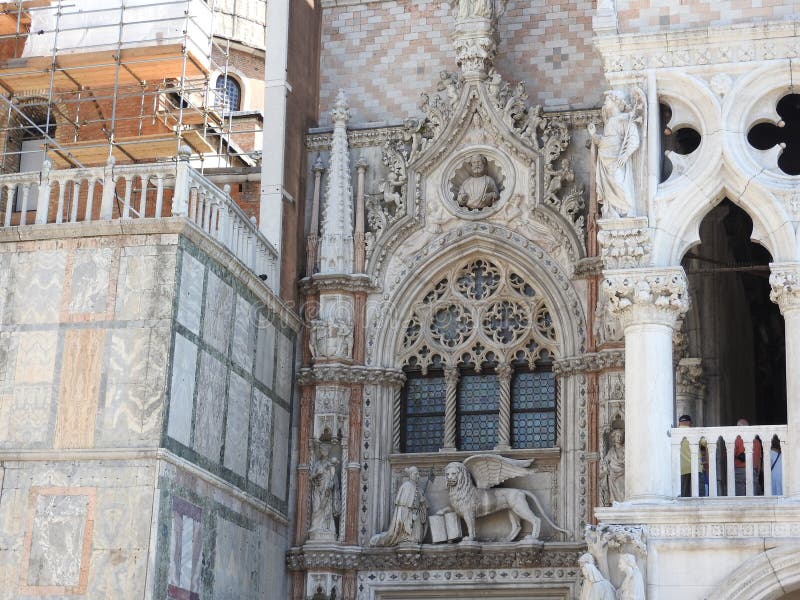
(625, 243)
(591, 361)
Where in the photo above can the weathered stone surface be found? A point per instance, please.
(218, 312)
(184, 365)
(244, 334)
(91, 273)
(190, 298)
(280, 447)
(236, 425)
(260, 436)
(265, 352)
(210, 407)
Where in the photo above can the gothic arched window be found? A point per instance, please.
(477, 352)
(229, 92)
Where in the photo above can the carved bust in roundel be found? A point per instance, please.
(476, 186)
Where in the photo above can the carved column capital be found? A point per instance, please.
(655, 295)
(784, 280)
(624, 242)
(690, 377)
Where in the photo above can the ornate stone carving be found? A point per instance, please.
(336, 243)
(626, 547)
(632, 586)
(591, 361)
(620, 139)
(784, 280)
(652, 294)
(612, 470)
(625, 243)
(410, 517)
(323, 586)
(478, 307)
(326, 498)
(479, 190)
(473, 500)
(351, 374)
(331, 410)
(606, 326)
(594, 586)
(331, 339)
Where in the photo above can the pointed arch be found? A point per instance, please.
(767, 576)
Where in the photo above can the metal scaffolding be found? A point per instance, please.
(88, 82)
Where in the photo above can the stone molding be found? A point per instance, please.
(625, 243)
(465, 555)
(784, 279)
(654, 295)
(353, 283)
(591, 266)
(634, 53)
(590, 362)
(689, 377)
(339, 373)
(320, 140)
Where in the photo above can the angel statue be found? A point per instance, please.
(620, 139)
(410, 518)
(472, 500)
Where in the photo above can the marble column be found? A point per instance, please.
(785, 283)
(648, 302)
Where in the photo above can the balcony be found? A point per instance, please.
(141, 191)
(718, 443)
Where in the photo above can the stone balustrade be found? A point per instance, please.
(141, 191)
(718, 445)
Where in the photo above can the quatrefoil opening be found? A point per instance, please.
(786, 133)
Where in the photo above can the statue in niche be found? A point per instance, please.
(326, 496)
(478, 191)
(620, 139)
(612, 470)
(632, 586)
(594, 586)
(331, 339)
(410, 517)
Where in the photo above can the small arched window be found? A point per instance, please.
(478, 353)
(229, 93)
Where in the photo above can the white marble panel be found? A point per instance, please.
(284, 367)
(91, 270)
(210, 407)
(191, 293)
(184, 365)
(244, 334)
(280, 452)
(237, 425)
(265, 352)
(36, 356)
(260, 436)
(145, 285)
(27, 415)
(218, 313)
(57, 540)
(38, 282)
(237, 563)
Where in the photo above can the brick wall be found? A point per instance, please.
(385, 53)
(649, 15)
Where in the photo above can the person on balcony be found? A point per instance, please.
(776, 464)
(740, 463)
(686, 463)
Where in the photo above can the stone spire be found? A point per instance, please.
(336, 247)
(475, 35)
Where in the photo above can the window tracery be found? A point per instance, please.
(478, 350)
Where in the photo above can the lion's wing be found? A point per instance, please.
(490, 470)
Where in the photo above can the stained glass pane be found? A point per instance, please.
(533, 391)
(424, 414)
(533, 430)
(533, 409)
(478, 393)
(478, 408)
(477, 431)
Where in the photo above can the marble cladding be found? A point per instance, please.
(231, 382)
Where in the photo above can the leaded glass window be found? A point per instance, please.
(424, 412)
(230, 93)
(533, 407)
(478, 406)
(483, 334)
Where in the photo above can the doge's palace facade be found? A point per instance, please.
(512, 271)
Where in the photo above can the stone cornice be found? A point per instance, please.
(590, 362)
(319, 140)
(466, 555)
(356, 282)
(338, 373)
(633, 53)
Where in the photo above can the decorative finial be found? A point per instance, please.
(340, 113)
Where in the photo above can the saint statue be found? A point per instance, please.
(326, 497)
(594, 585)
(474, 8)
(410, 517)
(632, 586)
(479, 190)
(620, 139)
(612, 470)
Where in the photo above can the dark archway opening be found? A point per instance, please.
(733, 326)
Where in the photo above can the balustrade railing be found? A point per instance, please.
(142, 191)
(714, 468)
